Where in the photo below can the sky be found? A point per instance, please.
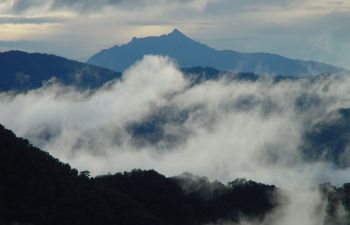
(309, 29)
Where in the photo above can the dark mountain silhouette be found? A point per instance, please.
(38, 189)
(24, 71)
(189, 53)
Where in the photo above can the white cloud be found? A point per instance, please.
(232, 129)
(229, 124)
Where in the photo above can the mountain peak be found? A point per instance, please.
(190, 53)
(176, 33)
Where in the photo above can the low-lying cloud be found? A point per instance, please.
(239, 128)
(222, 129)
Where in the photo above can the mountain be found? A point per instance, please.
(189, 53)
(38, 189)
(24, 71)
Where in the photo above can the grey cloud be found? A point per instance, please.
(87, 5)
(22, 5)
(92, 5)
(30, 20)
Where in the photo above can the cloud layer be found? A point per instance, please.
(228, 125)
(221, 129)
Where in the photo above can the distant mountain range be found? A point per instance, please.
(24, 71)
(190, 53)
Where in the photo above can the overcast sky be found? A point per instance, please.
(305, 29)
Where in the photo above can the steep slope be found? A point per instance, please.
(25, 71)
(37, 189)
(189, 53)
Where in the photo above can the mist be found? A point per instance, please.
(222, 129)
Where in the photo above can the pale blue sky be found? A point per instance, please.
(309, 29)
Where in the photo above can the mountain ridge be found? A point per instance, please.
(21, 71)
(190, 53)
